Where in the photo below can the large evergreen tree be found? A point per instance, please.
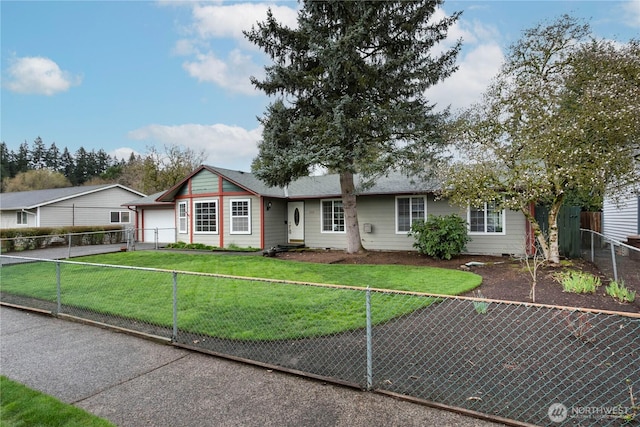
(52, 158)
(22, 158)
(349, 87)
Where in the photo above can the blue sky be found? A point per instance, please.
(127, 75)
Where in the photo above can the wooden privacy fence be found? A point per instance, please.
(591, 221)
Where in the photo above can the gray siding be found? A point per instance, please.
(275, 227)
(313, 237)
(621, 221)
(9, 219)
(242, 240)
(380, 212)
(89, 209)
(204, 182)
(512, 242)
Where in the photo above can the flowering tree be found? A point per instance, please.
(562, 116)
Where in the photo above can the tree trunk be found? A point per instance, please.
(554, 244)
(347, 188)
(537, 233)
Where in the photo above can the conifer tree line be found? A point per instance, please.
(38, 167)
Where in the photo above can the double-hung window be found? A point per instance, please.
(408, 211)
(182, 217)
(22, 218)
(240, 216)
(205, 217)
(120, 217)
(486, 219)
(332, 216)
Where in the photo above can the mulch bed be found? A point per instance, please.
(503, 278)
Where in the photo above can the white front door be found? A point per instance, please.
(295, 222)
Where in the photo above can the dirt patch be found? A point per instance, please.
(503, 278)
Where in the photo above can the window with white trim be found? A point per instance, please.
(22, 218)
(120, 217)
(205, 216)
(241, 216)
(486, 219)
(332, 216)
(182, 217)
(408, 211)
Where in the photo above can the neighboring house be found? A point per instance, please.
(221, 207)
(621, 218)
(57, 207)
(154, 217)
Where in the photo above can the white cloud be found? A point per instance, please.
(466, 86)
(213, 29)
(213, 21)
(225, 146)
(632, 13)
(232, 74)
(478, 62)
(38, 75)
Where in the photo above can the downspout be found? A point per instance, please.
(137, 224)
(261, 222)
(221, 212)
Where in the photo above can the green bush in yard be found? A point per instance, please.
(441, 237)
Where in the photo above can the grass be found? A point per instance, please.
(22, 406)
(233, 308)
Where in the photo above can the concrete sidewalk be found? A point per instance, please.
(136, 382)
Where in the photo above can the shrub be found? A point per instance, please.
(578, 282)
(441, 237)
(19, 239)
(620, 292)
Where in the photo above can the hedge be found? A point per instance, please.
(20, 239)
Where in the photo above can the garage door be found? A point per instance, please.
(162, 219)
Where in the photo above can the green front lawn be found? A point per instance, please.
(234, 308)
(22, 406)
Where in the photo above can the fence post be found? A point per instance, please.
(69, 254)
(593, 256)
(156, 237)
(175, 306)
(58, 289)
(613, 262)
(369, 341)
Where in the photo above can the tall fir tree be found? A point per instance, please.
(349, 85)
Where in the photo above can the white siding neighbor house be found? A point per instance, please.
(222, 207)
(71, 206)
(621, 218)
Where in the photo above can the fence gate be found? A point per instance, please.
(568, 228)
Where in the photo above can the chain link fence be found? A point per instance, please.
(69, 245)
(531, 363)
(616, 260)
